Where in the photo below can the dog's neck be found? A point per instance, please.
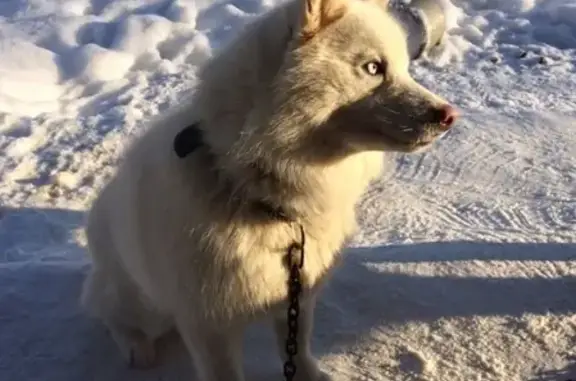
(191, 138)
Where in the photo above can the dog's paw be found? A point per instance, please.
(318, 376)
(138, 350)
(311, 372)
(142, 355)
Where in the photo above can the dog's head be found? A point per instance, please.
(346, 69)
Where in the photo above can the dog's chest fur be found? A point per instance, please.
(249, 259)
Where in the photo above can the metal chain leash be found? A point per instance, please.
(295, 260)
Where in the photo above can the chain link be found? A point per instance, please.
(295, 264)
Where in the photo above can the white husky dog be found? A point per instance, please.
(287, 128)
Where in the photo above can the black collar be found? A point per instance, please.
(191, 138)
(188, 140)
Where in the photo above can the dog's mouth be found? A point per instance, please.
(412, 144)
(407, 142)
(381, 135)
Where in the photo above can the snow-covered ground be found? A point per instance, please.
(465, 267)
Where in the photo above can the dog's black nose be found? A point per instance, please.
(445, 116)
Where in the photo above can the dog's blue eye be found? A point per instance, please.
(374, 68)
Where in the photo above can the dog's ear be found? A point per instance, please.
(317, 14)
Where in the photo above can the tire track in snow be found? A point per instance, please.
(473, 185)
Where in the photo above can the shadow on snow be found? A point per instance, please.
(46, 337)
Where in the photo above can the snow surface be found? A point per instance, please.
(465, 266)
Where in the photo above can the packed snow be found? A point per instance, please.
(465, 264)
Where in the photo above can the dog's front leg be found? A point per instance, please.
(216, 350)
(306, 365)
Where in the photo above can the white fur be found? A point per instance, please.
(170, 243)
